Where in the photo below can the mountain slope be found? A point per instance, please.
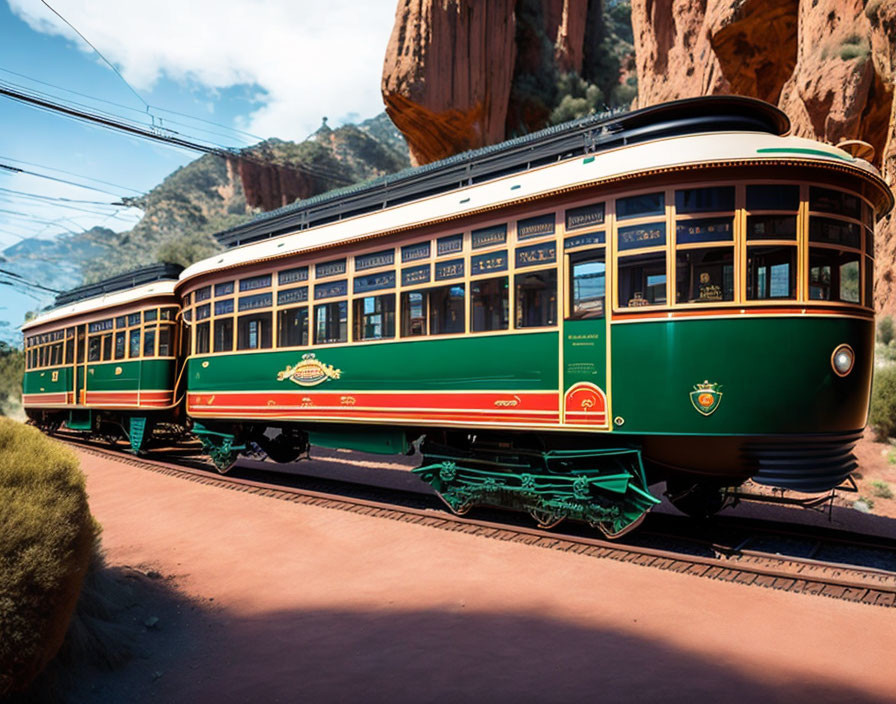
(210, 194)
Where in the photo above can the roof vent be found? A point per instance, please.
(857, 148)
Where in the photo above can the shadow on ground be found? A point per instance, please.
(203, 654)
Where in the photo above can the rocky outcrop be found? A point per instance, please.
(446, 83)
(829, 64)
(460, 75)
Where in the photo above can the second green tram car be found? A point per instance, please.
(104, 360)
(695, 307)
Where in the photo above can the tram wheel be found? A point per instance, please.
(695, 498)
(546, 520)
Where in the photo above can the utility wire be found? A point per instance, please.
(172, 138)
(98, 53)
(128, 107)
(23, 280)
(91, 110)
(17, 170)
(72, 173)
(38, 196)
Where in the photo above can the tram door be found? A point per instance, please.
(584, 340)
(80, 365)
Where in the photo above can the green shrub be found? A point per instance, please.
(46, 538)
(854, 48)
(881, 489)
(883, 402)
(885, 330)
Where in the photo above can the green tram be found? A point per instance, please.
(104, 359)
(682, 293)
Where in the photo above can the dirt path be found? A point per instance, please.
(273, 601)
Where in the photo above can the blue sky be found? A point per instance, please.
(271, 68)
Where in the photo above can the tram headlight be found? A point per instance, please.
(843, 360)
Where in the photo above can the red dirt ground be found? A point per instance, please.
(877, 463)
(265, 600)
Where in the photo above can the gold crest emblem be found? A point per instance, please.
(706, 397)
(309, 372)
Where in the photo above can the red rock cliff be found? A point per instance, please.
(829, 64)
(461, 74)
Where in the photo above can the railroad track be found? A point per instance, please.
(662, 543)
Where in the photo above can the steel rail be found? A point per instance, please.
(753, 568)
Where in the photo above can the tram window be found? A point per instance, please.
(134, 319)
(642, 280)
(134, 344)
(44, 351)
(80, 354)
(489, 304)
(253, 331)
(56, 355)
(535, 293)
(165, 341)
(93, 349)
(150, 316)
(149, 343)
(869, 282)
(867, 215)
(705, 275)
(374, 317)
(331, 322)
(202, 338)
(833, 275)
(869, 242)
(640, 206)
(771, 272)
(167, 313)
(705, 200)
(771, 227)
(292, 327)
(185, 341)
(69, 351)
(224, 289)
(414, 306)
(224, 335)
(588, 280)
(107, 347)
(826, 200)
(446, 309)
(121, 321)
(773, 196)
(695, 231)
(120, 344)
(830, 231)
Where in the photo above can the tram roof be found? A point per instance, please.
(587, 135)
(147, 282)
(573, 174)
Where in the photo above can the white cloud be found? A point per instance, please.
(309, 59)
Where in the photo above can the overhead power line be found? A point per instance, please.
(17, 170)
(60, 199)
(72, 173)
(108, 63)
(26, 282)
(156, 108)
(166, 136)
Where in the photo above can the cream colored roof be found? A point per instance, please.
(109, 300)
(576, 172)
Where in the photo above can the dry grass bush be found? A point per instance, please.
(883, 403)
(47, 537)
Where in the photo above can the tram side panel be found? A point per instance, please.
(504, 380)
(713, 395)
